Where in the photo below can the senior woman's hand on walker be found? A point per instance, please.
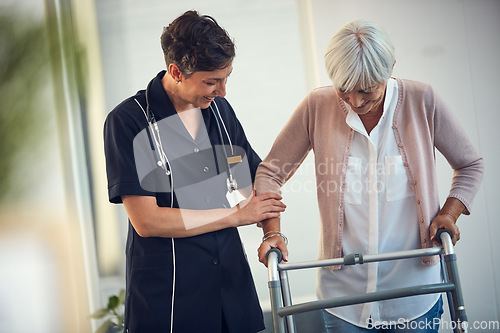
(275, 240)
(447, 219)
(447, 222)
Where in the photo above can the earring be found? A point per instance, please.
(177, 82)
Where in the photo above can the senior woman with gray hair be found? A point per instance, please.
(374, 139)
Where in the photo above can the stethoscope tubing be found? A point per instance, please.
(162, 156)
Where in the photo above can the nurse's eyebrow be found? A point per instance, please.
(218, 78)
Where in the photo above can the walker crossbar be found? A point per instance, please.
(366, 298)
(366, 258)
(281, 300)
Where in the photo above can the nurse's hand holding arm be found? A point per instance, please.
(150, 220)
(259, 207)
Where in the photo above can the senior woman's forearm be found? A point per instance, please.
(271, 225)
(453, 208)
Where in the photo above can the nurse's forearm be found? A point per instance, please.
(196, 222)
(150, 220)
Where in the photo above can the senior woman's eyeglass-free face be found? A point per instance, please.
(363, 101)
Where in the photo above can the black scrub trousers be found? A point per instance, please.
(213, 284)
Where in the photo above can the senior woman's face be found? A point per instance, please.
(363, 101)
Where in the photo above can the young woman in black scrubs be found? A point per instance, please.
(175, 154)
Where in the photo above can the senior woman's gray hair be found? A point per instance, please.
(359, 53)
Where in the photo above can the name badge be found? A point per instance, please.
(234, 198)
(234, 159)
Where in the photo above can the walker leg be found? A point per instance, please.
(287, 300)
(455, 297)
(275, 290)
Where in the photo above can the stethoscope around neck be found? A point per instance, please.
(161, 156)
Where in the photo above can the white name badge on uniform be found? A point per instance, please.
(234, 198)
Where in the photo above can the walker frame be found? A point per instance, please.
(281, 301)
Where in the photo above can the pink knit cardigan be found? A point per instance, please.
(422, 122)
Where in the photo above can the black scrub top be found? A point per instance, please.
(207, 276)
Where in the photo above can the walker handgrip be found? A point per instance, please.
(278, 252)
(440, 232)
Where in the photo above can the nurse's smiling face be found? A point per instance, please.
(362, 101)
(199, 89)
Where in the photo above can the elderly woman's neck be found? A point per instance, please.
(371, 119)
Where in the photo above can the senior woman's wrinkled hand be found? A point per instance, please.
(274, 242)
(444, 221)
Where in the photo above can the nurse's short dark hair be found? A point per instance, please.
(197, 43)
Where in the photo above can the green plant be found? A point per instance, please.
(112, 313)
(25, 114)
